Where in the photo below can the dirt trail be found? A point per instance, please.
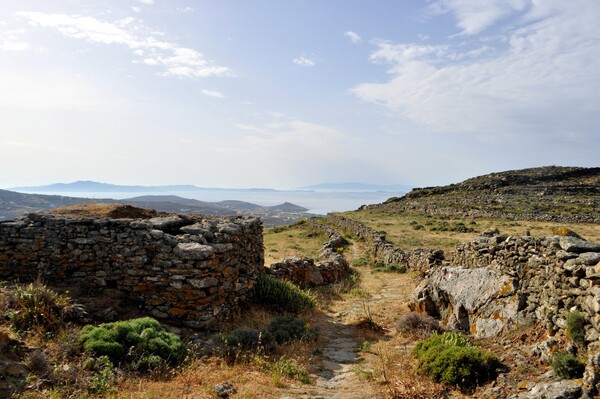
(340, 368)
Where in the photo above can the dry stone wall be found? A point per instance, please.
(185, 269)
(420, 259)
(502, 282)
(305, 272)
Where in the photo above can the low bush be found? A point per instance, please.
(576, 326)
(36, 305)
(566, 365)
(359, 262)
(418, 324)
(451, 358)
(391, 269)
(289, 368)
(280, 330)
(142, 344)
(288, 328)
(249, 340)
(282, 295)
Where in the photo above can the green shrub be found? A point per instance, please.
(282, 295)
(576, 326)
(451, 358)
(391, 269)
(280, 330)
(288, 328)
(359, 262)
(36, 305)
(142, 344)
(103, 379)
(567, 366)
(289, 368)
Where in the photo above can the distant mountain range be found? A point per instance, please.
(358, 187)
(83, 186)
(14, 204)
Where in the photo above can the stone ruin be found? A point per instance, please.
(188, 270)
(304, 272)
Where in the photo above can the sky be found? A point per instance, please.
(288, 93)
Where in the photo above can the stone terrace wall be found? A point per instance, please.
(420, 259)
(190, 270)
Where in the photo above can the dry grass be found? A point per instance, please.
(113, 211)
(403, 235)
(297, 240)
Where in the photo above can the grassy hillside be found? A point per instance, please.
(560, 194)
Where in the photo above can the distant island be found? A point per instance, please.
(359, 187)
(92, 186)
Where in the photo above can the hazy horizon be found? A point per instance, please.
(289, 94)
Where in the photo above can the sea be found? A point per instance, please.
(318, 202)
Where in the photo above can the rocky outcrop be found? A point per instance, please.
(420, 259)
(481, 301)
(504, 282)
(183, 269)
(560, 194)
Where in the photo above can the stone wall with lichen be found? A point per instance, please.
(501, 282)
(185, 269)
(419, 259)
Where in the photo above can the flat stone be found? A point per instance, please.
(572, 244)
(565, 389)
(193, 250)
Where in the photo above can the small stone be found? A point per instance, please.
(225, 389)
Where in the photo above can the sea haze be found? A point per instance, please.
(318, 202)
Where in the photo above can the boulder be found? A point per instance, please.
(481, 301)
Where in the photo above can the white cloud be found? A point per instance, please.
(303, 60)
(176, 60)
(11, 45)
(185, 9)
(146, 1)
(353, 36)
(474, 16)
(544, 83)
(136, 9)
(213, 93)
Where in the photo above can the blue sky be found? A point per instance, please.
(289, 93)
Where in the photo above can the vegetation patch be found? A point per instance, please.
(393, 268)
(142, 344)
(418, 324)
(36, 305)
(576, 326)
(282, 295)
(244, 344)
(567, 366)
(451, 358)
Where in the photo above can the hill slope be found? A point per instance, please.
(13, 205)
(552, 193)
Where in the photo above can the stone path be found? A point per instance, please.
(335, 377)
(337, 374)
